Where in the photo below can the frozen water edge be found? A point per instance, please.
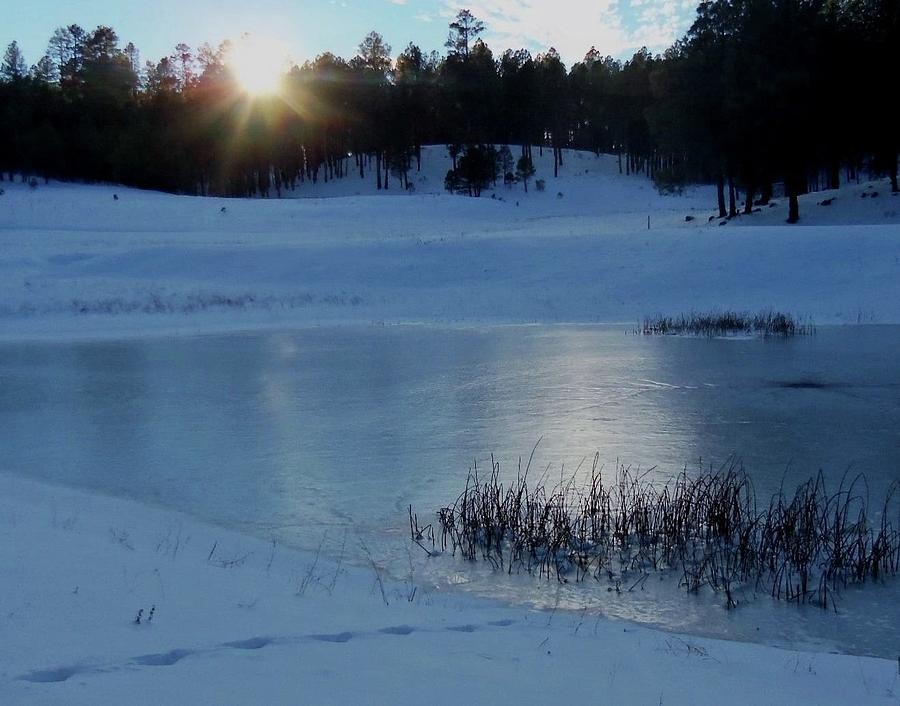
(241, 620)
(74, 263)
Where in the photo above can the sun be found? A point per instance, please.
(258, 64)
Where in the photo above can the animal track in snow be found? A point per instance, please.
(336, 637)
(174, 656)
(397, 630)
(162, 659)
(47, 676)
(254, 643)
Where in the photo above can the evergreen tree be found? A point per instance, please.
(725, 104)
(45, 70)
(67, 47)
(525, 170)
(374, 54)
(184, 60)
(13, 67)
(464, 30)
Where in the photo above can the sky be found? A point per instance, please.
(307, 28)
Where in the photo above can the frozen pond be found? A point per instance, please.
(331, 433)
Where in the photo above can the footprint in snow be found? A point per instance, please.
(165, 659)
(48, 676)
(462, 628)
(337, 637)
(254, 643)
(162, 659)
(397, 630)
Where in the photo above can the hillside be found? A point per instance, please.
(83, 260)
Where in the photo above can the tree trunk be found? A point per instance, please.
(894, 188)
(378, 168)
(834, 175)
(732, 199)
(765, 195)
(793, 183)
(793, 208)
(748, 204)
(720, 193)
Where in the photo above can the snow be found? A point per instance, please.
(74, 262)
(240, 620)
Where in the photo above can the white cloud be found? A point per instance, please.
(615, 27)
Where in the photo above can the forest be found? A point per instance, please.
(793, 95)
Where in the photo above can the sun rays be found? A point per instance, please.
(258, 64)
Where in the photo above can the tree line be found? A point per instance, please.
(757, 93)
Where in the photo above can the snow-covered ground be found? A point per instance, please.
(239, 620)
(74, 261)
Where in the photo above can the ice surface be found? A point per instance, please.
(313, 436)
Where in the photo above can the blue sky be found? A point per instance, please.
(307, 28)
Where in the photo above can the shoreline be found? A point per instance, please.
(58, 330)
(224, 601)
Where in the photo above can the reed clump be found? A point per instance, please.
(764, 323)
(707, 527)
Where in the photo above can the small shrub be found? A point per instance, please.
(803, 547)
(525, 170)
(765, 323)
(451, 181)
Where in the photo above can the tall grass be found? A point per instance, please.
(764, 323)
(802, 546)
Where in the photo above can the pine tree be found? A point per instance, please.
(184, 59)
(13, 67)
(375, 54)
(525, 170)
(45, 70)
(464, 30)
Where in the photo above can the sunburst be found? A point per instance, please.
(258, 64)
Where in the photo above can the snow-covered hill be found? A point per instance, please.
(595, 245)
